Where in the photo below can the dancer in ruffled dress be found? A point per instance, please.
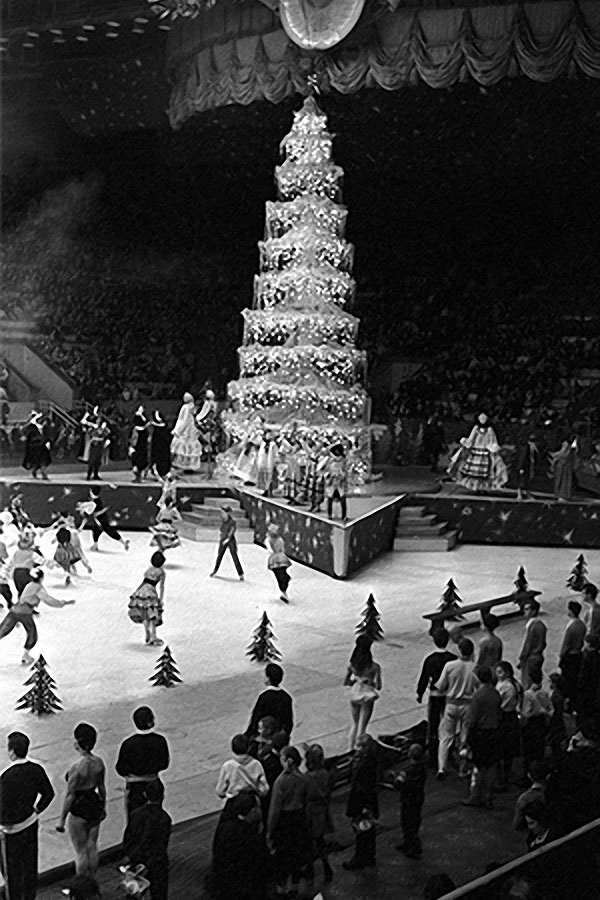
(265, 463)
(165, 534)
(246, 467)
(186, 449)
(146, 602)
(477, 465)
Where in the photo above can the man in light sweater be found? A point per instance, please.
(241, 773)
(457, 683)
(25, 792)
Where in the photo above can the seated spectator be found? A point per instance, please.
(538, 775)
(540, 829)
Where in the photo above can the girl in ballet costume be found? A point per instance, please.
(146, 602)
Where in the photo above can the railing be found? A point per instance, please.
(50, 408)
(564, 869)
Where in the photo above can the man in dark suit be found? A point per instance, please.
(141, 757)
(572, 649)
(531, 657)
(273, 701)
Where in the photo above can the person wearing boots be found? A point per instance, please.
(227, 542)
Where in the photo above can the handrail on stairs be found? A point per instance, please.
(53, 409)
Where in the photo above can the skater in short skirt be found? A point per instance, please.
(164, 534)
(146, 602)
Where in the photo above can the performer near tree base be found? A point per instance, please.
(227, 541)
(478, 465)
(336, 480)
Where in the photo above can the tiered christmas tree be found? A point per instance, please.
(578, 577)
(262, 648)
(167, 673)
(369, 624)
(40, 699)
(300, 372)
(451, 599)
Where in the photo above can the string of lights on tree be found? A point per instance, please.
(282, 400)
(341, 367)
(319, 211)
(261, 327)
(305, 246)
(303, 288)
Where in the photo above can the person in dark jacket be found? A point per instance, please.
(241, 866)
(141, 757)
(146, 839)
(273, 701)
(362, 807)
(411, 784)
(160, 448)
(25, 792)
(430, 675)
(227, 541)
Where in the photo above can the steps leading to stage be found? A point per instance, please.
(201, 522)
(417, 530)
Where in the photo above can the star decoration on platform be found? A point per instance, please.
(568, 537)
(185, 499)
(67, 491)
(504, 516)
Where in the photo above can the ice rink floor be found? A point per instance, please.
(102, 666)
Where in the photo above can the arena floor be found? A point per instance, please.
(101, 665)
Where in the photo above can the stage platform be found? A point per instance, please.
(330, 546)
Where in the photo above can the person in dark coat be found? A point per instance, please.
(141, 758)
(434, 442)
(411, 784)
(526, 461)
(160, 448)
(241, 866)
(362, 807)
(37, 446)
(587, 695)
(146, 839)
(273, 701)
(138, 444)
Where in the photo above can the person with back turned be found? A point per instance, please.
(141, 757)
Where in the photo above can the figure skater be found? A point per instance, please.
(364, 678)
(25, 558)
(23, 611)
(20, 519)
(97, 515)
(68, 552)
(138, 445)
(5, 590)
(227, 541)
(164, 534)
(146, 602)
(278, 561)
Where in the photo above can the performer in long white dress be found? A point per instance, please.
(477, 465)
(246, 466)
(186, 449)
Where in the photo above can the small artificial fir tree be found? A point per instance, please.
(370, 621)
(40, 699)
(167, 673)
(577, 580)
(451, 599)
(521, 582)
(262, 648)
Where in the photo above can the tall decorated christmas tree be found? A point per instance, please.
(301, 374)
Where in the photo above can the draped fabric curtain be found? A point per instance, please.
(241, 54)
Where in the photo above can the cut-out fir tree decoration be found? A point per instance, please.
(451, 599)
(167, 673)
(262, 648)
(369, 624)
(40, 699)
(577, 580)
(521, 583)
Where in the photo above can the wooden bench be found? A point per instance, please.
(517, 598)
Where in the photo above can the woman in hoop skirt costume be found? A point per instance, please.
(165, 534)
(477, 465)
(186, 449)
(146, 602)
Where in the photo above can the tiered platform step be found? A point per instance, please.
(418, 530)
(201, 523)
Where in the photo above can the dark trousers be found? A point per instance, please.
(103, 525)
(365, 847)
(158, 876)
(19, 861)
(232, 547)
(534, 739)
(12, 619)
(435, 711)
(6, 592)
(95, 459)
(410, 817)
(569, 666)
(283, 579)
(134, 796)
(21, 577)
(342, 500)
